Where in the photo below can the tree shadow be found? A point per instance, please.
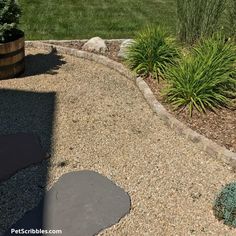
(25, 112)
(43, 63)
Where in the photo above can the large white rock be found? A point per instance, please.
(95, 44)
(123, 48)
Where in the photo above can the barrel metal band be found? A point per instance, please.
(2, 56)
(2, 68)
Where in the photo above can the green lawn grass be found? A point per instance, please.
(81, 19)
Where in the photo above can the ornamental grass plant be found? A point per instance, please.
(205, 78)
(198, 18)
(230, 19)
(151, 52)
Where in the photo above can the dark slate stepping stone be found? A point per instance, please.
(18, 151)
(80, 204)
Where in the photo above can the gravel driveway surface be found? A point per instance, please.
(103, 123)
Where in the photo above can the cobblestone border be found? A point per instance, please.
(79, 40)
(207, 145)
(83, 54)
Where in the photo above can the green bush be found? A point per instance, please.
(205, 78)
(9, 18)
(198, 18)
(224, 207)
(151, 52)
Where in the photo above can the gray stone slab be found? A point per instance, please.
(80, 204)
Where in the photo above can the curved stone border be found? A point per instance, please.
(207, 145)
(86, 55)
(80, 40)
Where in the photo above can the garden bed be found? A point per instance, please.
(219, 127)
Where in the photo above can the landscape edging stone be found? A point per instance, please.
(207, 145)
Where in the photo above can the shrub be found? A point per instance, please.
(198, 18)
(224, 207)
(151, 52)
(205, 78)
(9, 18)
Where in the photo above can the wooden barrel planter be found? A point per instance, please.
(12, 56)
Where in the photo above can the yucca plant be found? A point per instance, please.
(198, 18)
(224, 207)
(151, 52)
(10, 13)
(205, 78)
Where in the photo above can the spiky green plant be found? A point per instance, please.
(224, 206)
(205, 78)
(9, 18)
(198, 18)
(151, 52)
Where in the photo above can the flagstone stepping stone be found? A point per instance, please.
(18, 151)
(81, 203)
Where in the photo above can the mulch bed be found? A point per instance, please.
(219, 127)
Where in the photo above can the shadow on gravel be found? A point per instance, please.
(25, 112)
(43, 63)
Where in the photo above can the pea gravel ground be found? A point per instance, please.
(103, 123)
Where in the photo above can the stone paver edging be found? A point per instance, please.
(207, 145)
(86, 55)
(81, 40)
